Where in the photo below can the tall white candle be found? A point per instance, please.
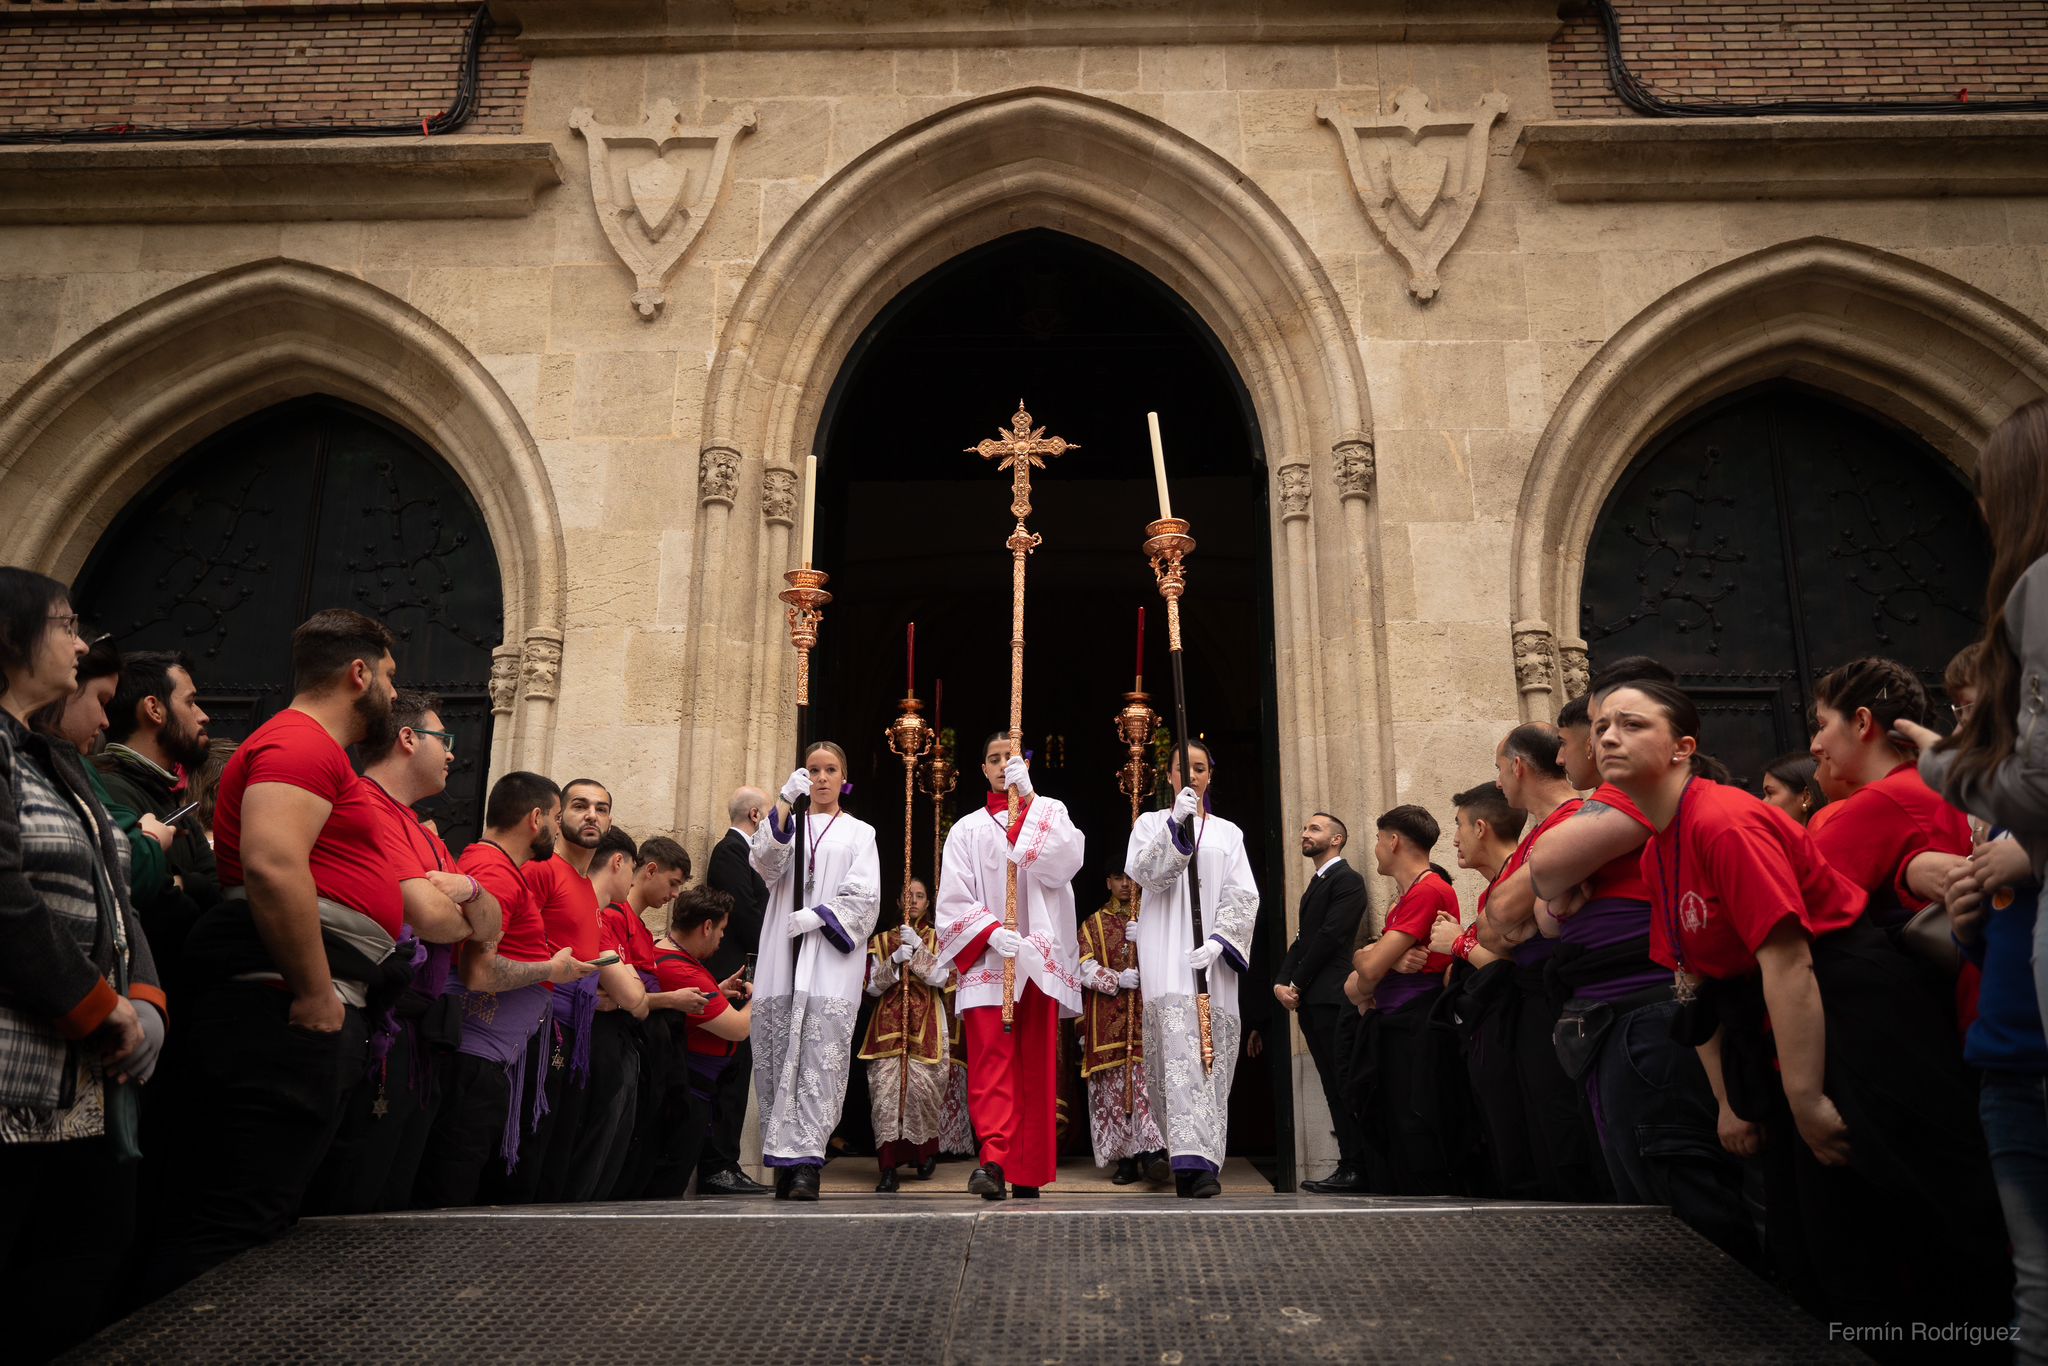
(810, 505)
(1159, 466)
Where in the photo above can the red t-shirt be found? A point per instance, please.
(675, 970)
(1727, 871)
(525, 935)
(1566, 809)
(1623, 876)
(1879, 829)
(350, 860)
(620, 927)
(1427, 901)
(415, 850)
(567, 904)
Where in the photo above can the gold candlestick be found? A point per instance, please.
(910, 739)
(939, 780)
(806, 597)
(1134, 726)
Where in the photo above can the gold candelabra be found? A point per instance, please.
(1167, 546)
(1135, 724)
(939, 781)
(910, 738)
(806, 597)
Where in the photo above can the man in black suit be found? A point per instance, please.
(718, 1171)
(1311, 981)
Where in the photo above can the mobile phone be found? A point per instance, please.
(747, 969)
(187, 809)
(605, 959)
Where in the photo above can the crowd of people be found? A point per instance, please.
(1809, 1023)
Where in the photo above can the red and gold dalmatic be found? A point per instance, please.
(905, 1047)
(1112, 1037)
(922, 1002)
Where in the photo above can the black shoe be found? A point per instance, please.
(731, 1181)
(1204, 1186)
(804, 1184)
(1126, 1172)
(926, 1168)
(1024, 1192)
(783, 1176)
(888, 1185)
(1181, 1182)
(1343, 1181)
(1157, 1171)
(987, 1182)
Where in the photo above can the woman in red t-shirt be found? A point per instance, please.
(696, 925)
(1893, 836)
(1880, 1206)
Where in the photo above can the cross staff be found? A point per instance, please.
(1019, 450)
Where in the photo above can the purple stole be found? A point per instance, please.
(498, 1028)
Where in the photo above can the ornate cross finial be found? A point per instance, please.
(1019, 450)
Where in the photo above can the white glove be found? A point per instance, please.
(906, 936)
(1128, 979)
(902, 954)
(799, 785)
(1006, 942)
(1185, 806)
(1017, 774)
(1203, 958)
(938, 975)
(803, 922)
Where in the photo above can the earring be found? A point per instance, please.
(1674, 758)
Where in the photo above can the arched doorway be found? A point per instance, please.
(1769, 537)
(916, 533)
(310, 504)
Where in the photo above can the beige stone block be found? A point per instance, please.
(395, 282)
(554, 397)
(791, 138)
(1531, 399)
(732, 226)
(91, 301)
(1007, 68)
(572, 218)
(2010, 274)
(672, 589)
(1461, 570)
(1281, 66)
(1454, 75)
(14, 374)
(577, 474)
(624, 393)
(612, 577)
(411, 244)
(1422, 476)
(657, 677)
(647, 486)
(1209, 117)
(338, 246)
(2026, 221)
(1434, 759)
(859, 123)
(1482, 298)
(1438, 384)
(1494, 225)
(1150, 103)
(1564, 295)
(1632, 281)
(208, 246)
(1182, 68)
(638, 763)
(519, 377)
(1498, 462)
(924, 106)
(612, 86)
(1544, 227)
(841, 71)
(40, 250)
(1967, 223)
(675, 76)
(1397, 575)
(1876, 222)
(488, 309)
(1109, 69)
(728, 278)
(1442, 671)
(592, 682)
(1358, 68)
(29, 310)
(589, 309)
(693, 382)
(780, 199)
(1281, 133)
(925, 73)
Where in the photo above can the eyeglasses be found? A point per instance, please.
(446, 738)
(69, 621)
(1961, 709)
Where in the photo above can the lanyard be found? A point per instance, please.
(1674, 925)
(414, 832)
(811, 869)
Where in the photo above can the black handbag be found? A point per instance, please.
(1581, 1029)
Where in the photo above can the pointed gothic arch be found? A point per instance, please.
(1918, 346)
(91, 428)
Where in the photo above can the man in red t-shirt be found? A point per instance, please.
(283, 968)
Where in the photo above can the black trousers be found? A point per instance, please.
(65, 1224)
(374, 1160)
(608, 1108)
(1562, 1142)
(660, 1044)
(271, 1097)
(728, 1115)
(1410, 1101)
(467, 1133)
(685, 1122)
(1329, 1048)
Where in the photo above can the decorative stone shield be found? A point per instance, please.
(1418, 174)
(653, 186)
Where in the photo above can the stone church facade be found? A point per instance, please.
(1464, 286)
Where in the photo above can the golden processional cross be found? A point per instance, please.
(1019, 450)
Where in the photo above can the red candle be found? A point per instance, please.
(938, 705)
(910, 668)
(1140, 670)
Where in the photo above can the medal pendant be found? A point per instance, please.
(382, 1107)
(558, 1064)
(1685, 987)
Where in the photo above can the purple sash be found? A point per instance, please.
(498, 1028)
(1397, 989)
(574, 1010)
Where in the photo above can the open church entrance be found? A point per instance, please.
(912, 528)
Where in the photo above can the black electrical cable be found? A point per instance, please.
(458, 113)
(1640, 97)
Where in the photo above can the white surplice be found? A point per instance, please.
(973, 889)
(1193, 1107)
(807, 990)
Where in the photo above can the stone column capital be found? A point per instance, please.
(1294, 492)
(1354, 467)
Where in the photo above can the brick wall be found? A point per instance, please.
(73, 64)
(1819, 49)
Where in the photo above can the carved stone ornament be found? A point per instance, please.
(504, 678)
(1294, 492)
(1355, 467)
(718, 475)
(778, 495)
(1418, 174)
(1534, 652)
(653, 186)
(1576, 668)
(542, 666)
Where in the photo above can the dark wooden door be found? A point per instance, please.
(309, 505)
(1767, 539)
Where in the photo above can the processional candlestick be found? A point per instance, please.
(1018, 450)
(910, 739)
(1134, 724)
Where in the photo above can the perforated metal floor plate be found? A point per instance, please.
(1237, 1281)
